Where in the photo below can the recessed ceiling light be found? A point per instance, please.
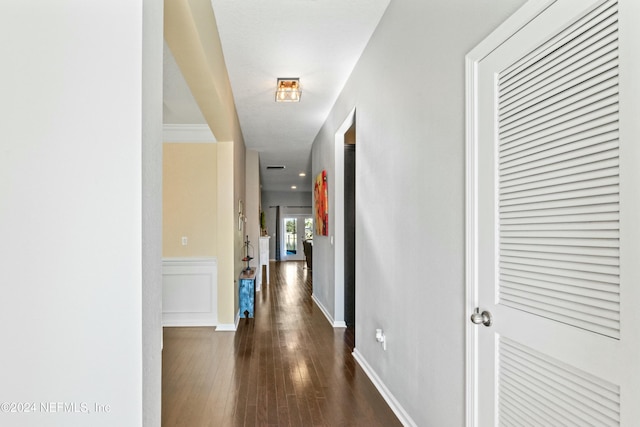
(302, 174)
(293, 187)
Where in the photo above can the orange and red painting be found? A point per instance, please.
(322, 204)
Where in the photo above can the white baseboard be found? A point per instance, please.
(395, 406)
(189, 291)
(226, 327)
(323, 309)
(229, 327)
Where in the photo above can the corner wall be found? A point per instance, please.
(192, 35)
(410, 200)
(152, 77)
(75, 256)
(252, 225)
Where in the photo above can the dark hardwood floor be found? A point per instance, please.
(286, 367)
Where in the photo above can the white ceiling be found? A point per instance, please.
(318, 41)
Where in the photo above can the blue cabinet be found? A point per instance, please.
(247, 290)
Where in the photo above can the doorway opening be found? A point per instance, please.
(295, 230)
(340, 240)
(350, 228)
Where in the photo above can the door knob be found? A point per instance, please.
(484, 318)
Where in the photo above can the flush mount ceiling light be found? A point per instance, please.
(288, 90)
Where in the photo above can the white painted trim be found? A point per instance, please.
(229, 327)
(323, 309)
(338, 217)
(188, 133)
(388, 397)
(169, 322)
(189, 271)
(506, 30)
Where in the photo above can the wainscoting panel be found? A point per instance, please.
(189, 292)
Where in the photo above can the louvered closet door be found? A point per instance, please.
(558, 220)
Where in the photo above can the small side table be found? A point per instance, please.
(247, 290)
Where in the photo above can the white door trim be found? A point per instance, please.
(511, 26)
(338, 220)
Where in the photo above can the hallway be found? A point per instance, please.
(286, 367)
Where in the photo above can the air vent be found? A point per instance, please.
(275, 167)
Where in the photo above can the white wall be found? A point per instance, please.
(152, 50)
(71, 213)
(408, 91)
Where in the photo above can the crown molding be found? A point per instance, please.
(188, 133)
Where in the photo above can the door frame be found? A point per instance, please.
(338, 221)
(512, 25)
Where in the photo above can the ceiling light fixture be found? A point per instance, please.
(288, 90)
(293, 187)
(302, 174)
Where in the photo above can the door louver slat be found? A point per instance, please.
(569, 164)
(559, 190)
(586, 259)
(537, 183)
(559, 213)
(590, 120)
(560, 218)
(562, 85)
(579, 202)
(594, 21)
(602, 83)
(539, 286)
(557, 282)
(557, 225)
(536, 389)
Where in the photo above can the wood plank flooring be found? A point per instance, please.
(286, 367)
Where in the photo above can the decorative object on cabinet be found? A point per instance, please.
(247, 252)
(263, 224)
(322, 204)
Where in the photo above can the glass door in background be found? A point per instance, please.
(290, 237)
(295, 230)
